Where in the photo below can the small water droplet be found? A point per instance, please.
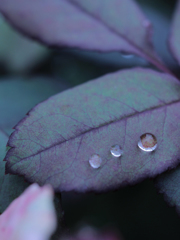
(148, 142)
(95, 161)
(116, 151)
(126, 55)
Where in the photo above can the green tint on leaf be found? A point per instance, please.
(18, 96)
(10, 186)
(54, 143)
(18, 53)
(3, 142)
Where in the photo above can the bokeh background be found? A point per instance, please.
(31, 72)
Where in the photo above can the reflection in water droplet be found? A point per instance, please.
(148, 142)
(95, 161)
(116, 151)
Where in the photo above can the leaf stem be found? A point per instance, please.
(158, 64)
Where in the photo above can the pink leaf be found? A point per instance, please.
(29, 217)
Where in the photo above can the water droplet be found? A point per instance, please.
(95, 161)
(126, 55)
(116, 151)
(148, 142)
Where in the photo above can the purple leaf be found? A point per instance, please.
(17, 96)
(169, 184)
(175, 34)
(56, 141)
(10, 186)
(116, 25)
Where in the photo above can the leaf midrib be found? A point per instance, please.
(99, 127)
(142, 53)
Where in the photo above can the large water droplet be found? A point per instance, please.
(95, 161)
(116, 151)
(148, 142)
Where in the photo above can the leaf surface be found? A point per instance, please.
(174, 39)
(169, 185)
(54, 143)
(116, 25)
(10, 186)
(17, 96)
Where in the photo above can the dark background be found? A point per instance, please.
(139, 212)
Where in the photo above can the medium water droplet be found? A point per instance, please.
(148, 142)
(95, 161)
(116, 151)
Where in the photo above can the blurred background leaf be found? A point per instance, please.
(17, 53)
(19, 95)
(138, 211)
